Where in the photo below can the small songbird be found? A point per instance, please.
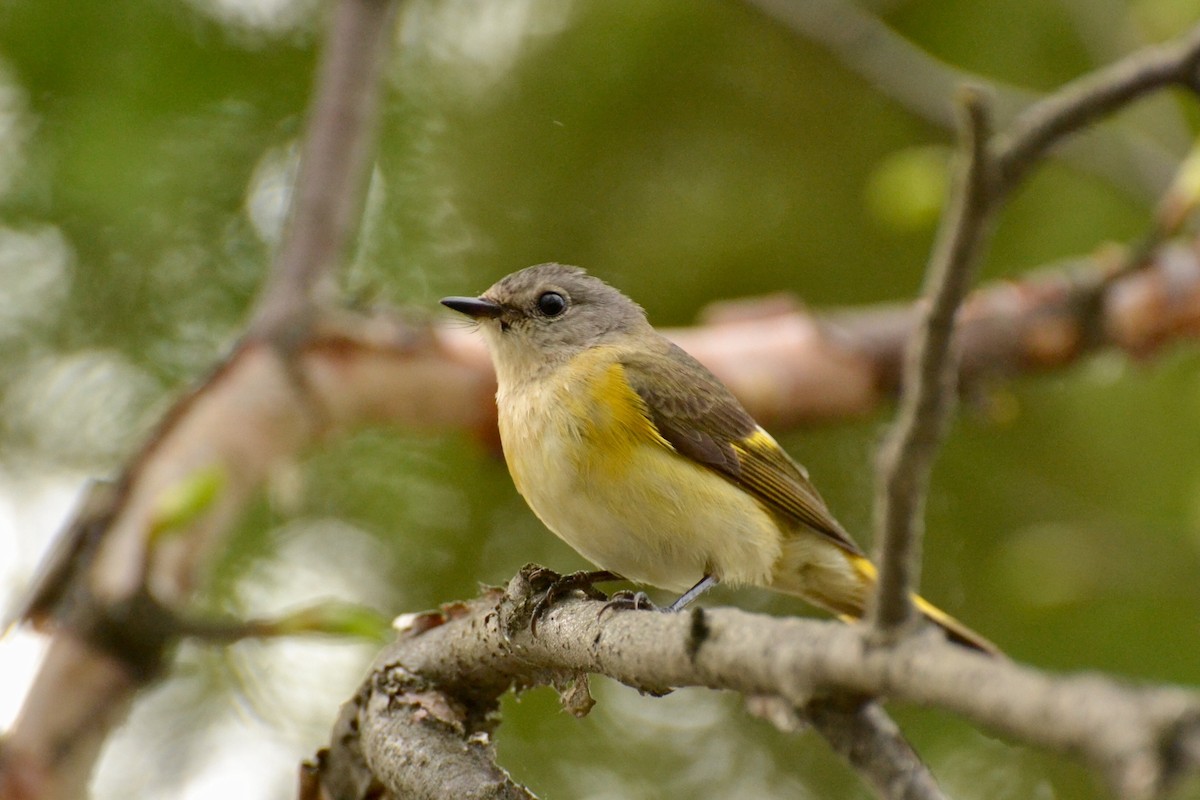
(638, 457)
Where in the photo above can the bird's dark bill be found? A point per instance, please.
(476, 307)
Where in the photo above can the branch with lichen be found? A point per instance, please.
(435, 690)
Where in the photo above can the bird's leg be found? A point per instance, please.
(638, 601)
(562, 585)
(685, 599)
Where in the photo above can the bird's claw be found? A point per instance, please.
(558, 586)
(626, 600)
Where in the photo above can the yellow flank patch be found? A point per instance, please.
(627, 408)
(614, 422)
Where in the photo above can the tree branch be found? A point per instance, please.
(418, 745)
(863, 734)
(1140, 739)
(335, 162)
(930, 378)
(923, 84)
(112, 602)
(992, 170)
(1083, 102)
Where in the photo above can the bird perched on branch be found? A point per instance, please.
(638, 457)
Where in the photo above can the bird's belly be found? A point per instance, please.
(632, 505)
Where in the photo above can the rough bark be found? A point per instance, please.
(457, 662)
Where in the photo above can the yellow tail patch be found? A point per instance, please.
(955, 630)
(863, 567)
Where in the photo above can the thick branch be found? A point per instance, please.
(865, 736)
(417, 745)
(1139, 739)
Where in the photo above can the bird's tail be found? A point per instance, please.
(955, 631)
(842, 582)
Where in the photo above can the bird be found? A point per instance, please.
(643, 461)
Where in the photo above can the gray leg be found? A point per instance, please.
(685, 599)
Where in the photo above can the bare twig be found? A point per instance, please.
(1139, 739)
(993, 168)
(113, 605)
(930, 379)
(335, 160)
(924, 85)
(1089, 99)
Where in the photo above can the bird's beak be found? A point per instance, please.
(476, 307)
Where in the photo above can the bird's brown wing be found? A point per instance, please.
(699, 417)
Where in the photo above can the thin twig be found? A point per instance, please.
(1090, 98)
(993, 169)
(923, 84)
(930, 379)
(335, 161)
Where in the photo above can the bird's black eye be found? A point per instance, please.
(552, 304)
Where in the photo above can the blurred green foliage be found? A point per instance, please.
(685, 151)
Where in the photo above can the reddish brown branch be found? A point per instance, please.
(793, 366)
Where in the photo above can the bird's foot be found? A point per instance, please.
(626, 600)
(555, 587)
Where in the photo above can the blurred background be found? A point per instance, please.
(685, 151)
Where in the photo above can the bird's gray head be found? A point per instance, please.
(541, 316)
